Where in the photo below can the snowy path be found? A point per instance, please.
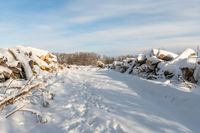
(91, 100)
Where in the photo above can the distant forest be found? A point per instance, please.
(87, 58)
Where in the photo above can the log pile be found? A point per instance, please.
(162, 64)
(100, 64)
(23, 62)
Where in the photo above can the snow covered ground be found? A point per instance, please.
(104, 101)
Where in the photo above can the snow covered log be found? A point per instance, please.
(8, 57)
(184, 55)
(153, 60)
(5, 73)
(22, 57)
(165, 55)
(41, 63)
(183, 65)
(100, 64)
(49, 58)
(3, 60)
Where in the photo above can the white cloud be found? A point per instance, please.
(177, 25)
(150, 31)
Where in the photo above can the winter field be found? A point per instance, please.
(100, 66)
(38, 95)
(88, 99)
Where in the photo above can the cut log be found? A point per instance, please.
(3, 60)
(41, 63)
(49, 58)
(15, 67)
(20, 56)
(165, 55)
(100, 64)
(188, 74)
(6, 72)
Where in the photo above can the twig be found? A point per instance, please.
(15, 110)
(14, 98)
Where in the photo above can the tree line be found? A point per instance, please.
(87, 58)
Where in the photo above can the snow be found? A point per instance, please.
(35, 51)
(172, 68)
(7, 54)
(5, 69)
(188, 63)
(117, 63)
(153, 59)
(155, 52)
(88, 99)
(13, 64)
(141, 57)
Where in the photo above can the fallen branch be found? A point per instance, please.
(12, 99)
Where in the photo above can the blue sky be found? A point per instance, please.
(111, 27)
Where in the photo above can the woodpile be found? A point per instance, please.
(163, 64)
(22, 62)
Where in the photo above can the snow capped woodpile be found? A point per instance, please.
(24, 62)
(162, 64)
(24, 76)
